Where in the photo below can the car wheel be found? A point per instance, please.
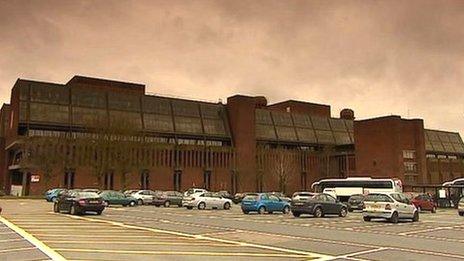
(202, 205)
(350, 210)
(343, 212)
(246, 212)
(367, 219)
(167, 204)
(107, 203)
(157, 206)
(53, 199)
(189, 207)
(180, 205)
(394, 218)
(139, 202)
(286, 210)
(434, 210)
(55, 208)
(261, 210)
(296, 214)
(227, 205)
(73, 211)
(99, 212)
(318, 212)
(461, 214)
(415, 218)
(132, 203)
(419, 208)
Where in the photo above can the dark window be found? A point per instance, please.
(303, 177)
(233, 182)
(109, 180)
(145, 179)
(207, 179)
(69, 179)
(377, 198)
(177, 180)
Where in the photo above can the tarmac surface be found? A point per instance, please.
(29, 230)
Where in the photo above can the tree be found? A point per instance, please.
(280, 164)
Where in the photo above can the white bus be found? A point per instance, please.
(345, 188)
(458, 181)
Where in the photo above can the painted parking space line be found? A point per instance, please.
(17, 249)
(33, 240)
(300, 253)
(139, 243)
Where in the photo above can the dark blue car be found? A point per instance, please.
(264, 202)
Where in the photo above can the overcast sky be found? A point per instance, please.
(375, 57)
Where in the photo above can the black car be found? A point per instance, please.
(319, 205)
(355, 202)
(79, 202)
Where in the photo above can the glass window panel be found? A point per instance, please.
(437, 146)
(132, 119)
(349, 124)
(88, 98)
(432, 135)
(302, 120)
(263, 117)
(122, 101)
(22, 111)
(337, 125)
(157, 105)
(448, 147)
(49, 113)
(41, 92)
(320, 123)
(188, 125)
(185, 108)
(455, 138)
(158, 122)
(89, 116)
(23, 92)
(324, 136)
(342, 138)
(459, 148)
(443, 136)
(286, 133)
(428, 146)
(282, 118)
(265, 132)
(211, 111)
(213, 126)
(306, 135)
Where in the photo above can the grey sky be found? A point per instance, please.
(376, 57)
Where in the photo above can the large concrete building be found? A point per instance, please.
(108, 134)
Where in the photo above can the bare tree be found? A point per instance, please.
(281, 164)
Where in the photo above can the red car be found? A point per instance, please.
(425, 202)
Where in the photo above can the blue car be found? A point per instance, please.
(264, 202)
(52, 194)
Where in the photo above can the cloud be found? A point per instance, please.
(376, 57)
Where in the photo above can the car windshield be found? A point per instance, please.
(87, 195)
(377, 198)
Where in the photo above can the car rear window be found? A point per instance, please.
(251, 197)
(377, 198)
(87, 195)
(303, 194)
(356, 197)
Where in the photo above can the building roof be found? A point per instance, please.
(437, 141)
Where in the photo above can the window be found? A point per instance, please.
(410, 167)
(177, 180)
(264, 197)
(207, 179)
(273, 198)
(303, 179)
(145, 179)
(409, 154)
(69, 180)
(109, 177)
(378, 198)
(329, 198)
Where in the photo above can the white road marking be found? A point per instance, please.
(17, 249)
(34, 241)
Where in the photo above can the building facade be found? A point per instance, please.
(112, 135)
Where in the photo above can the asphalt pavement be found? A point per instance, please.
(29, 230)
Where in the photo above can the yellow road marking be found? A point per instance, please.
(17, 249)
(279, 249)
(34, 241)
(191, 253)
(112, 236)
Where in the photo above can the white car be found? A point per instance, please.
(391, 206)
(191, 191)
(206, 200)
(143, 196)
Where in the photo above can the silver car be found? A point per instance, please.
(390, 206)
(206, 200)
(144, 196)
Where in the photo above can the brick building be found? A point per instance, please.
(100, 133)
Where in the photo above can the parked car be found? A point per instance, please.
(191, 191)
(206, 200)
(424, 202)
(390, 206)
(143, 196)
(111, 197)
(302, 195)
(355, 202)
(319, 205)
(238, 197)
(281, 195)
(52, 194)
(263, 202)
(460, 207)
(225, 194)
(79, 202)
(91, 190)
(167, 198)
(130, 191)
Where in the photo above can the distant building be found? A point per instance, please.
(101, 133)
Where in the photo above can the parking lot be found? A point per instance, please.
(29, 230)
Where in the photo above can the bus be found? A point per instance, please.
(343, 189)
(454, 190)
